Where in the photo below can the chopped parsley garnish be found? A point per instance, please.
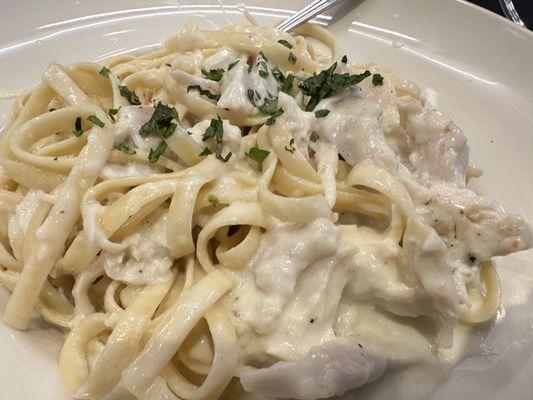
(203, 92)
(160, 121)
(125, 148)
(269, 106)
(285, 43)
(214, 74)
(272, 119)
(292, 57)
(130, 95)
(286, 81)
(168, 65)
(258, 154)
(205, 152)
(286, 87)
(327, 83)
(104, 72)
(216, 130)
(95, 121)
(321, 113)
(77, 127)
(112, 112)
(234, 63)
(169, 130)
(344, 59)
(276, 72)
(377, 80)
(252, 94)
(154, 154)
(290, 148)
(224, 159)
(213, 200)
(262, 65)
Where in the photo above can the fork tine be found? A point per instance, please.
(305, 14)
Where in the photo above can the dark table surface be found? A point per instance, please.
(524, 8)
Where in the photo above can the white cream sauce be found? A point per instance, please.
(310, 285)
(299, 124)
(267, 285)
(353, 126)
(145, 258)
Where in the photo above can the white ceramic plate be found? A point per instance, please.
(477, 68)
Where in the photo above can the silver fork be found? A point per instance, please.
(305, 14)
(510, 12)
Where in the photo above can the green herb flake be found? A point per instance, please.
(276, 72)
(93, 119)
(321, 113)
(292, 58)
(214, 74)
(205, 152)
(285, 43)
(257, 154)
(125, 148)
(168, 65)
(269, 106)
(262, 65)
(104, 72)
(224, 159)
(327, 83)
(213, 200)
(130, 95)
(203, 92)
(154, 154)
(234, 63)
(160, 120)
(216, 130)
(251, 96)
(291, 147)
(169, 130)
(377, 80)
(112, 112)
(344, 59)
(286, 87)
(272, 119)
(77, 127)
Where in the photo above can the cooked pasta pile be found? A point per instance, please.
(235, 212)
